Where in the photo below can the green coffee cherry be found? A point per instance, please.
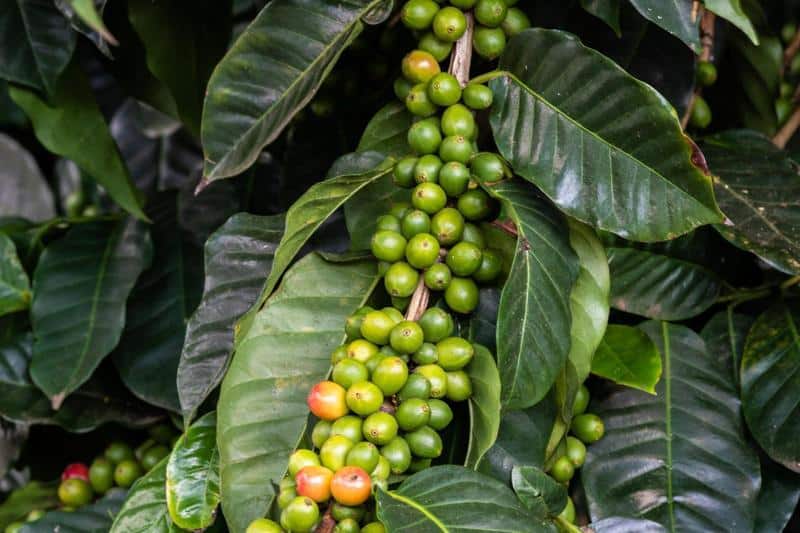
(461, 295)
(464, 259)
(454, 353)
(437, 277)
(387, 223)
(516, 20)
(376, 327)
(436, 324)
(437, 378)
(449, 24)
(436, 47)
(398, 454)
(348, 372)
(473, 234)
(455, 148)
(364, 398)
(348, 525)
(383, 470)
(401, 279)
(706, 73)
(426, 355)
(424, 137)
(419, 14)
(333, 453)
(490, 12)
(701, 114)
(406, 337)
(413, 414)
(568, 514)
(444, 89)
(343, 512)
(401, 87)
(391, 374)
(488, 42)
(414, 223)
(301, 514)
(454, 177)
(364, 455)
(361, 350)
(425, 442)
(431, 198)
(562, 470)
(576, 452)
(417, 386)
(380, 428)
(320, 433)
(388, 245)
(441, 414)
(418, 103)
(301, 459)
(475, 205)
(581, 401)
(403, 175)
(588, 428)
(427, 169)
(447, 225)
(490, 267)
(477, 96)
(348, 426)
(459, 386)
(458, 120)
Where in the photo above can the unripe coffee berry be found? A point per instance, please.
(449, 24)
(430, 198)
(427, 169)
(418, 14)
(401, 279)
(444, 89)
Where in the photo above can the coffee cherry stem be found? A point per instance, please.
(461, 58)
(487, 76)
(327, 523)
(419, 301)
(506, 225)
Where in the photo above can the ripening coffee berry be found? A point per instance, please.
(351, 486)
(419, 66)
(327, 400)
(301, 459)
(76, 492)
(314, 482)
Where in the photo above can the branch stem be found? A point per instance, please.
(707, 40)
(791, 51)
(461, 59)
(788, 130)
(419, 301)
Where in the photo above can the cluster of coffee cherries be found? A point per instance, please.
(586, 428)
(439, 27)
(706, 76)
(119, 466)
(379, 415)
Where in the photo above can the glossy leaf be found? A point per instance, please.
(540, 493)
(680, 457)
(484, 405)
(659, 286)
(759, 190)
(36, 43)
(605, 10)
(79, 291)
(286, 53)
(724, 336)
(159, 305)
(387, 132)
(757, 71)
(628, 357)
(23, 190)
(145, 508)
(456, 500)
(313, 208)
(363, 209)
(675, 16)
(262, 410)
(92, 518)
(99, 401)
(193, 476)
(534, 314)
(483, 320)
(91, 16)
(770, 375)
(592, 138)
(778, 497)
(29, 497)
(732, 11)
(618, 524)
(238, 259)
(15, 293)
(589, 299)
(521, 441)
(201, 34)
(64, 122)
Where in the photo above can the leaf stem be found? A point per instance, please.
(506, 225)
(791, 51)
(787, 130)
(789, 283)
(488, 76)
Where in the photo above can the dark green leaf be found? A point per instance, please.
(770, 375)
(593, 138)
(99, 401)
(363, 209)
(15, 289)
(483, 320)
(724, 336)
(23, 190)
(262, 410)
(678, 458)
(778, 497)
(628, 357)
(313, 208)
(732, 11)
(522, 440)
(162, 301)
(36, 43)
(387, 132)
(534, 314)
(675, 16)
(659, 286)
(79, 291)
(238, 258)
(145, 509)
(484, 405)
(757, 71)
(92, 518)
(193, 476)
(200, 33)
(455, 500)
(539, 492)
(605, 10)
(759, 189)
(285, 53)
(618, 524)
(65, 122)
(31, 496)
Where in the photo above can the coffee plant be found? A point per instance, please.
(399, 266)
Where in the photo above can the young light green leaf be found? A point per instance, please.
(484, 405)
(238, 259)
(36, 44)
(759, 189)
(628, 357)
(87, 12)
(732, 11)
(592, 137)
(646, 465)
(262, 409)
(658, 286)
(287, 51)
(534, 317)
(387, 131)
(770, 376)
(80, 287)
(453, 499)
(605, 10)
(675, 16)
(193, 476)
(15, 290)
(145, 508)
(66, 120)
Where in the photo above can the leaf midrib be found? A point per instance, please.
(668, 420)
(215, 174)
(419, 508)
(608, 144)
